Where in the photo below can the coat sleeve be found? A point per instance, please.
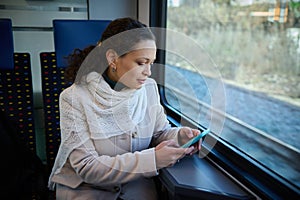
(107, 170)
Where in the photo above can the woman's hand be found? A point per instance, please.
(168, 152)
(185, 134)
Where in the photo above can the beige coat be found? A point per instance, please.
(116, 165)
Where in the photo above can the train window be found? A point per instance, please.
(240, 59)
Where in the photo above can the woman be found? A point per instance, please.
(115, 135)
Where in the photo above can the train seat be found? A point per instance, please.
(16, 92)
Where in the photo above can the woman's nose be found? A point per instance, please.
(147, 70)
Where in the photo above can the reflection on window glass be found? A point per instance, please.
(255, 46)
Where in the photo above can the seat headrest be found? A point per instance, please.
(72, 34)
(6, 44)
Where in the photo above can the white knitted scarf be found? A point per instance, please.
(116, 111)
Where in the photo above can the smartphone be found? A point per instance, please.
(195, 139)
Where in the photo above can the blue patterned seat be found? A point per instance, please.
(16, 93)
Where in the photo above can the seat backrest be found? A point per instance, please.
(16, 93)
(53, 83)
(68, 35)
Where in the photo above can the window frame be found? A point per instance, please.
(265, 183)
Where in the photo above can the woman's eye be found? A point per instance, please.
(145, 63)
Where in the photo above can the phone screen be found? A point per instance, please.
(195, 139)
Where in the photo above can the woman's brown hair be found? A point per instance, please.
(115, 27)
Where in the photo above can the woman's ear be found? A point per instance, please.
(111, 56)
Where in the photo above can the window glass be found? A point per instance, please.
(244, 65)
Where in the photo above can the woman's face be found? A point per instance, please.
(134, 68)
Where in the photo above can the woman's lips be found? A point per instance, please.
(141, 81)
